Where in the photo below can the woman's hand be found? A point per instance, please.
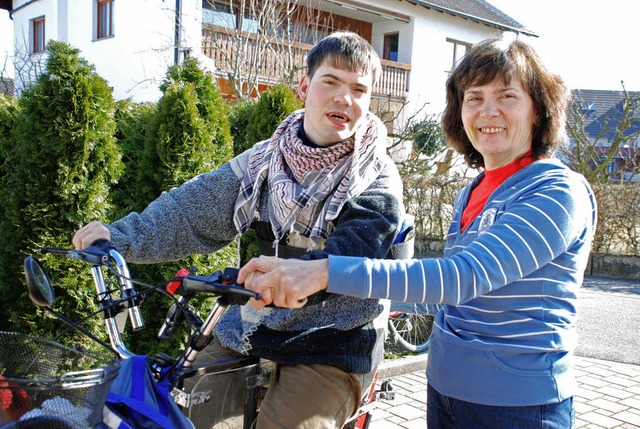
(89, 233)
(284, 282)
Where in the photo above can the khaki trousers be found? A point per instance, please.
(310, 397)
(302, 396)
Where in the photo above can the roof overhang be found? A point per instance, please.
(362, 7)
(490, 23)
(6, 4)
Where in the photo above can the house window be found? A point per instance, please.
(459, 50)
(390, 50)
(104, 19)
(224, 14)
(38, 35)
(305, 31)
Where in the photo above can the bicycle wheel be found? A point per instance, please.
(411, 331)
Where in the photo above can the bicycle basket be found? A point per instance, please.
(45, 381)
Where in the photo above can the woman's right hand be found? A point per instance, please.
(89, 233)
(284, 283)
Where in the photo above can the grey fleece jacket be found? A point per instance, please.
(197, 218)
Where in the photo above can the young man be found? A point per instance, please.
(322, 184)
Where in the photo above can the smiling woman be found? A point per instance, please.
(497, 117)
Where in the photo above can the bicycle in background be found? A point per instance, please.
(410, 326)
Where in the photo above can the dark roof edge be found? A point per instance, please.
(472, 17)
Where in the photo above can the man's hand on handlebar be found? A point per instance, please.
(284, 282)
(89, 233)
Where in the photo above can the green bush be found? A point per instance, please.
(428, 136)
(133, 121)
(272, 108)
(65, 160)
(255, 120)
(8, 115)
(239, 115)
(190, 133)
(187, 135)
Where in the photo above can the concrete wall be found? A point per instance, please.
(614, 266)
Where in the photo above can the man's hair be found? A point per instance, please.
(345, 51)
(493, 58)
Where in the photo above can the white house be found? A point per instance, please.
(132, 42)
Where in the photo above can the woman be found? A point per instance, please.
(515, 255)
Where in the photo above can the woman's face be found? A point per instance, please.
(498, 119)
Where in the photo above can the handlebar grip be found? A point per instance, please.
(103, 244)
(56, 250)
(222, 284)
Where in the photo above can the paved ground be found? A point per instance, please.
(609, 320)
(608, 369)
(609, 396)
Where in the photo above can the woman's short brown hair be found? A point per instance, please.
(516, 59)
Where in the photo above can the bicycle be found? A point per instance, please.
(410, 326)
(225, 393)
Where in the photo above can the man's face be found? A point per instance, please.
(336, 102)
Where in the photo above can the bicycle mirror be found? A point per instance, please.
(38, 283)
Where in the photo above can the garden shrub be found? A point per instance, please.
(188, 134)
(270, 110)
(65, 159)
(133, 121)
(239, 115)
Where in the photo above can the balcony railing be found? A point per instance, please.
(272, 60)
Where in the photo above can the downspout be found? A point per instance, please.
(178, 31)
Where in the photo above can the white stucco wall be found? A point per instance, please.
(433, 55)
(22, 19)
(136, 59)
(423, 44)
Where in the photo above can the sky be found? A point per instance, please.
(590, 43)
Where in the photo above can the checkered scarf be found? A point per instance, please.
(307, 186)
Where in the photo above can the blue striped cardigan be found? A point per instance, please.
(507, 289)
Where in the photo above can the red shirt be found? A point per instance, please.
(491, 180)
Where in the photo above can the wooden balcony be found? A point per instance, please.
(274, 59)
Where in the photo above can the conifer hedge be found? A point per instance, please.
(187, 134)
(64, 157)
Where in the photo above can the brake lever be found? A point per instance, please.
(91, 255)
(223, 284)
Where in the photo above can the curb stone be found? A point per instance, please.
(404, 365)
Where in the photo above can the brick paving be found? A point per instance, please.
(609, 398)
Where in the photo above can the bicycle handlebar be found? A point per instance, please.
(221, 283)
(103, 254)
